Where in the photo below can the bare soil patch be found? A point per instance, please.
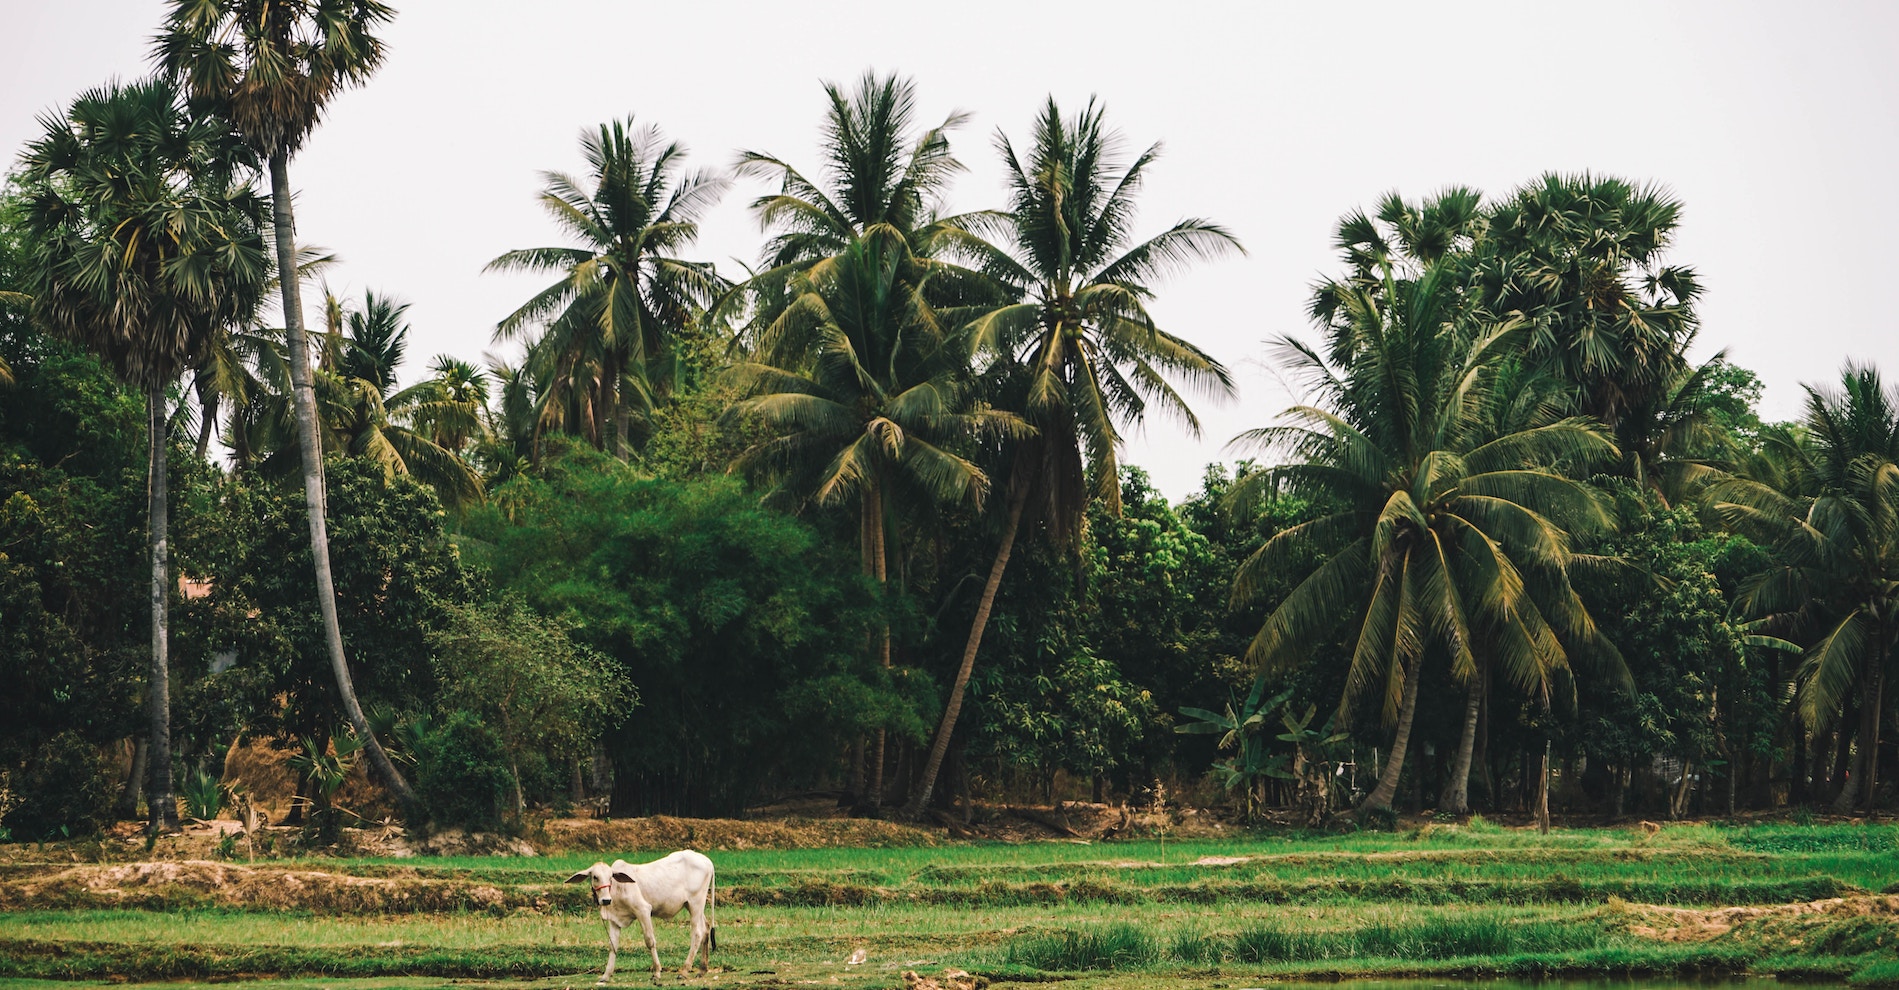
(1672, 924)
(176, 883)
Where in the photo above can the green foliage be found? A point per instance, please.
(1112, 947)
(202, 793)
(722, 614)
(542, 694)
(64, 789)
(462, 774)
(397, 576)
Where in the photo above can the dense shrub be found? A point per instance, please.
(65, 789)
(462, 775)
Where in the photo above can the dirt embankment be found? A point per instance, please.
(1673, 924)
(666, 832)
(172, 884)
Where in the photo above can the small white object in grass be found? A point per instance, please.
(857, 957)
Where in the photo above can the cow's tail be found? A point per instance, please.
(712, 922)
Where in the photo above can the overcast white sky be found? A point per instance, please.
(1777, 126)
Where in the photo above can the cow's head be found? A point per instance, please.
(601, 878)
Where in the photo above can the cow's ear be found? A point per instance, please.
(622, 877)
(582, 875)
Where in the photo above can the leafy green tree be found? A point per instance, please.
(1445, 538)
(399, 580)
(544, 695)
(613, 323)
(270, 67)
(740, 629)
(1077, 351)
(1834, 586)
(144, 245)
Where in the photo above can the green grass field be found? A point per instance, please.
(1442, 901)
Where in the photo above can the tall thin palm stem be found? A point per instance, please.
(309, 446)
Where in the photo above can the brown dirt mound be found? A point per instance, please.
(1671, 924)
(665, 832)
(181, 883)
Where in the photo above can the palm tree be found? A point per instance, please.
(864, 384)
(1447, 540)
(146, 244)
(365, 415)
(875, 203)
(1581, 257)
(873, 179)
(1834, 528)
(623, 299)
(1079, 350)
(270, 67)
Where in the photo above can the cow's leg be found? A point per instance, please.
(613, 951)
(699, 929)
(652, 944)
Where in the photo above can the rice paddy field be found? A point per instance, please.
(1439, 903)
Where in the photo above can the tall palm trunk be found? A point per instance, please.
(309, 444)
(939, 747)
(1862, 784)
(163, 806)
(879, 569)
(208, 422)
(1457, 794)
(1387, 788)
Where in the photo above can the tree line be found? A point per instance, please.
(857, 521)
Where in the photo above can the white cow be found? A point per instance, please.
(626, 892)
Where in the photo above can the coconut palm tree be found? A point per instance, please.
(879, 185)
(1077, 354)
(1448, 539)
(1833, 523)
(874, 174)
(270, 67)
(863, 384)
(611, 323)
(146, 243)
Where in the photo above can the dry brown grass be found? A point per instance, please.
(666, 832)
(1672, 924)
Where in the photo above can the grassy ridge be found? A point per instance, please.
(1437, 901)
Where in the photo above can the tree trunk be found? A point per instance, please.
(1543, 792)
(1387, 788)
(135, 779)
(162, 812)
(1871, 708)
(1846, 775)
(1457, 791)
(208, 416)
(310, 445)
(939, 747)
(874, 524)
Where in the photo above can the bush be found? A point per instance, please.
(65, 789)
(462, 776)
(1112, 947)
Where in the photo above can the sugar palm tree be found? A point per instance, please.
(270, 67)
(1077, 353)
(1582, 257)
(146, 244)
(1834, 589)
(612, 321)
(1448, 539)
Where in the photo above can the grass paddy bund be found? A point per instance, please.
(1810, 902)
